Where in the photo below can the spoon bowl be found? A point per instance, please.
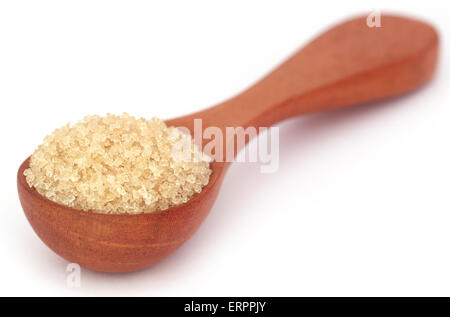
(349, 64)
(115, 242)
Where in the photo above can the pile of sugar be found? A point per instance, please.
(117, 164)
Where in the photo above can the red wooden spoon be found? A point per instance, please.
(347, 65)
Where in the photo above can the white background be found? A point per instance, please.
(359, 206)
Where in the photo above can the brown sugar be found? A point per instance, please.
(118, 164)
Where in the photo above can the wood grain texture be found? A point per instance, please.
(348, 65)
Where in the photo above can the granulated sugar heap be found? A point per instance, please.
(118, 164)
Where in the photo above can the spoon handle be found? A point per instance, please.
(349, 64)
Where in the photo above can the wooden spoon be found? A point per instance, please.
(347, 65)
